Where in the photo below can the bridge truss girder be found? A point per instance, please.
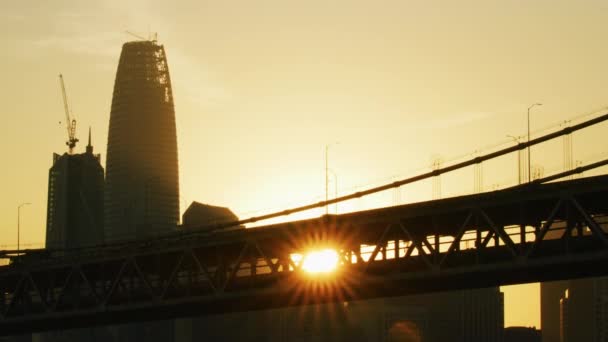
(535, 233)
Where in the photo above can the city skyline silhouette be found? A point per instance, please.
(256, 105)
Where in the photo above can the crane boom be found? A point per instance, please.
(135, 35)
(65, 104)
(70, 122)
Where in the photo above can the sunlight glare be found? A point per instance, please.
(321, 261)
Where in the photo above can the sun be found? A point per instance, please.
(319, 261)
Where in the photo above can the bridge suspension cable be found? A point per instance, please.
(433, 173)
(396, 184)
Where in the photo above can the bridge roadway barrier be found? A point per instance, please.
(528, 233)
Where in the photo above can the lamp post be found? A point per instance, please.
(529, 158)
(19, 223)
(516, 139)
(335, 186)
(327, 176)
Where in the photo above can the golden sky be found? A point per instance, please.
(262, 86)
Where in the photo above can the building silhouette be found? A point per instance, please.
(142, 185)
(75, 219)
(575, 310)
(75, 201)
(550, 295)
(522, 334)
(467, 315)
(201, 216)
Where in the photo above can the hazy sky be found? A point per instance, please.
(262, 86)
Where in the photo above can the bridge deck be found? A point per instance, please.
(528, 233)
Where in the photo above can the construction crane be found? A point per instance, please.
(135, 35)
(150, 37)
(70, 122)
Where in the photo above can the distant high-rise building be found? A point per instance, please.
(564, 307)
(581, 310)
(142, 186)
(600, 307)
(74, 219)
(550, 295)
(75, 201)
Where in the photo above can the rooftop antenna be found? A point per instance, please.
(152, 37)
(70, 122)
(89, 146)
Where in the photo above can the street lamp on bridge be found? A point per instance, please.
(19, 223)
(529, 158)
(327, 146)
(333, 173)
(516, 139)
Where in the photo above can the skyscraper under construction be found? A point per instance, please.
(75, 202)
(142, 185)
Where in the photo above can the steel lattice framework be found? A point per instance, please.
(533, 232)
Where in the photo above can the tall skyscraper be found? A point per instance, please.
(142, 185)
(75, 201)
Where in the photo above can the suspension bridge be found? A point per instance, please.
(542, 230)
